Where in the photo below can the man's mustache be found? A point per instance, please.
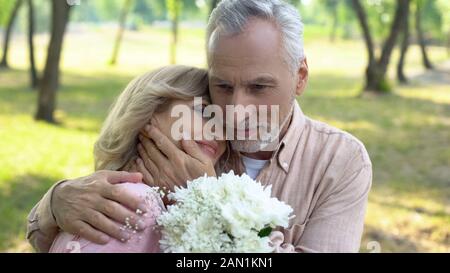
(246, 125)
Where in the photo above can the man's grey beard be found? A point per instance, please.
(247, 146)
(267, 142)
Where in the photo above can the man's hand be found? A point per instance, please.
(165, 165)
(92, 206)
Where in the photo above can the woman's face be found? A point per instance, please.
(163, 119)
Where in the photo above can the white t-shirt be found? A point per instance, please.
(253, 166)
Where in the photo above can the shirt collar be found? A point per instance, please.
(286, 149)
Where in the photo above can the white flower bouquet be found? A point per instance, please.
(227, 214)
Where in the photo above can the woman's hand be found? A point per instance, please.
(165, 165)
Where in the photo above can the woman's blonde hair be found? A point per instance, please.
(135, 107)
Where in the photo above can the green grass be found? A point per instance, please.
(406, 133)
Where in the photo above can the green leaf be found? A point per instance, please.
(265, 232)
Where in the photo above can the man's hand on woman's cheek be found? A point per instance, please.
(95, 208)
(165, 165)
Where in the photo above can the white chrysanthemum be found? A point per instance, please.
(222, 214)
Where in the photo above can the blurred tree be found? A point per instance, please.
(159, 9)
(433, 16)
(448, 43)
(174, 8)
(380, 15)
(5, 11)
(213, 5)
(295, 3)
(50, 79)
(420, 35)
(331, 7)
(377, 67)
(10, 24)
(404, 46)
(127, 4)
(107, 10)
(31, 22)
(149, 10)
(444, 7)
(42, 17)
(347, 19)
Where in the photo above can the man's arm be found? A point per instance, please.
(41, 226)
(89, 206)
(336, 225)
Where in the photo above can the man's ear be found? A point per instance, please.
(302, 77)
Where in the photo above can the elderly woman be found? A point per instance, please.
(149, 98)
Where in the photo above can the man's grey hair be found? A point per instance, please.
(231, 16)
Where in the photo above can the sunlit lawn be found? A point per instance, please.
(407, 133)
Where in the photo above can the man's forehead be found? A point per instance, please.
(243, 70)
(244, 50)
(259, 39)
(237, 61)
(230, 68)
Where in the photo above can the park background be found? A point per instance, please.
(49, 120)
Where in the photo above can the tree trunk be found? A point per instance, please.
(50, 79)
(122, 21)
(362, 18)
(404, 48)
(175, 18)
(33, 72)
(376, 69)
(371, 78)
(173, 45)
(396, 28)
(335, 25)
(9, 27)
(420, 36)
(376, 80)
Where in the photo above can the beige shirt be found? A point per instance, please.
(325, 174)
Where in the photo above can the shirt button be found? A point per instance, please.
(284, 165)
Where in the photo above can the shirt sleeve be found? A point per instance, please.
(336, 224)
(41, 225)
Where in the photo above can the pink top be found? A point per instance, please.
(146, 241)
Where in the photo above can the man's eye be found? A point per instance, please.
(258, 87)
(224, 87)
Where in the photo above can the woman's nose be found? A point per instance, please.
(212, 129)
(213, 134)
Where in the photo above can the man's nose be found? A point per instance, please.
(240, 97)
(242, 103)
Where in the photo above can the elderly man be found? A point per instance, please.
(255, 57)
